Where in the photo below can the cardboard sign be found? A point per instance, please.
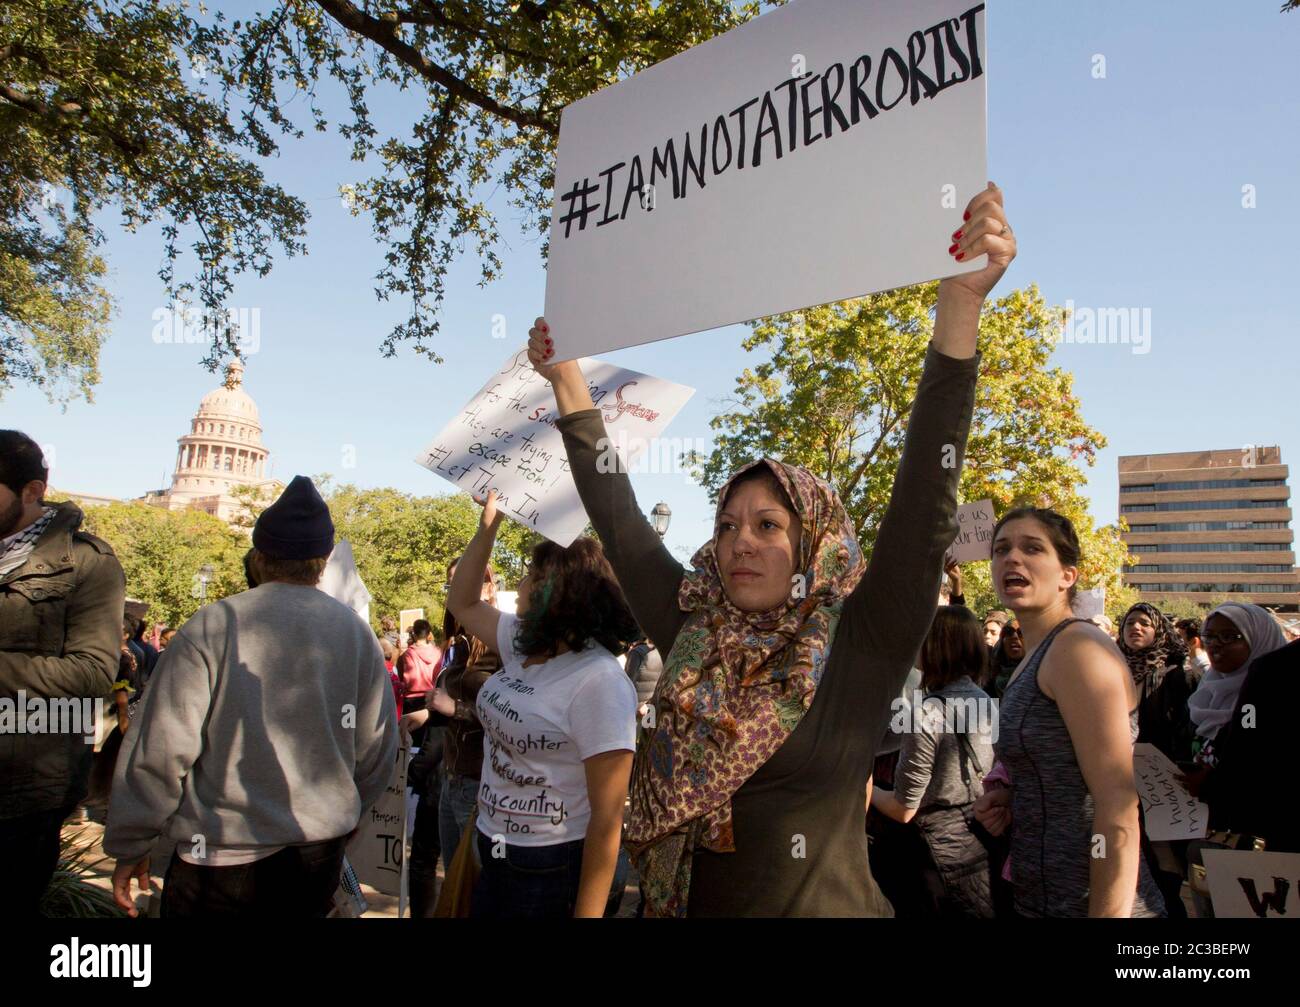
(407, 618)
(1170, 812)
(1245, 884)
(506, 439)
(378, 851)
(822, 151)
(974, 539)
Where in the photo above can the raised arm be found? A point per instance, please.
(646, 570)
(464, 596)
(895, 601)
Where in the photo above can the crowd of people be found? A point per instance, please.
(781, 729)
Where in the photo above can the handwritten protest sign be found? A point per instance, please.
(822, 151)
(1170, 811)
(378, 851)
(506, 439)
(1253, 885)
(974, 539)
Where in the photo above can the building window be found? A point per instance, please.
(1202, 484)
(1203, 505)
(1148, 529)
(1213, 547)
(1212, 568)
(1195, 588)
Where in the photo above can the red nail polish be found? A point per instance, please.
(960, 256)
(951, 249)
(966, 215)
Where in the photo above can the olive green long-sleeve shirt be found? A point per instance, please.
(800, 820)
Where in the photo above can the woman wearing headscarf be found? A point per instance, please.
(1235, 636)
(784, 650)
(1154, 651)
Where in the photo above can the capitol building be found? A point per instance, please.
(222, 450)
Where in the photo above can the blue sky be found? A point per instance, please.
(1125, 192)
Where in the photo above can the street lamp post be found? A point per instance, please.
(659, 518)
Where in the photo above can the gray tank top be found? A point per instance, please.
(1052, 811)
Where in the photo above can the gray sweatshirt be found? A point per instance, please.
(269, 721)
(929, 761)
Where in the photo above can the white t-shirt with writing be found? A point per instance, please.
(539, 724)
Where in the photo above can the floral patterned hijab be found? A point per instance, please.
(735, 685)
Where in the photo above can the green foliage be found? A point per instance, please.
(1183, 608)
(103, 104)
(162, 113)
(252, 501)
(163, 554)
(836, 391)
(402, 545)
(496, 77)
(69, 895)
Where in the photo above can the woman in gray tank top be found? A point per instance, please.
(1066, 729)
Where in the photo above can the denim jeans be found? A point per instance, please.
(298, 881)
(528, 882)
(455, 805)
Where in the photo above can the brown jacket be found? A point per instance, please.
(60, 636)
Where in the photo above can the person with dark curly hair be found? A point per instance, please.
(559, 723)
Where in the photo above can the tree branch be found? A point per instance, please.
(384, 34)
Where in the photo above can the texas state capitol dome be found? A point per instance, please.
(222, 450)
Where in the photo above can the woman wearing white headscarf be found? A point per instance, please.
(1234, 635)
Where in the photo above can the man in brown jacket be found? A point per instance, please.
(61, 595)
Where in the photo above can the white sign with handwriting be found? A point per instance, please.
(974, 539)
(822, 151)
(1170, 811)
(1245, 884)
(378, 851)
(506, 439)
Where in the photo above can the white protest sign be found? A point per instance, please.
(974, 539)
(1169, 810)
(378, 851)
(341, 581)
(505, 438)
(1089, 603)
(822, 151)
(1253, 885)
